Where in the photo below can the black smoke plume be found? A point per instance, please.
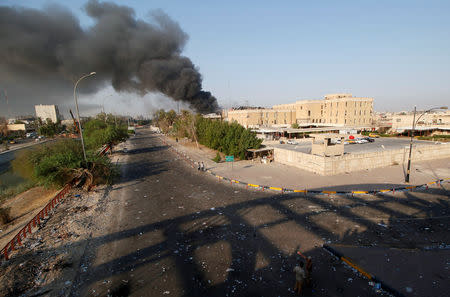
(46, 50)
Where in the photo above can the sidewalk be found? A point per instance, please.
(284, 176)
(409, 272)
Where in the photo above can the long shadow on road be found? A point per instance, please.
(261, 252)
(246, 244)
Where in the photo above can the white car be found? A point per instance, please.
(361, 140)
(291, 142)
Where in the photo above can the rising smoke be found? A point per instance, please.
(46, 50)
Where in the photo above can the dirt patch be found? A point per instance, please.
(23, 208)
(47, 262)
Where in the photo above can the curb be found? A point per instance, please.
(305, 191)
(366, 274)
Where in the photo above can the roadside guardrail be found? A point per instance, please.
(35, 222)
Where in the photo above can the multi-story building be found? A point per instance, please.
(253, 118)
(45, 112)
(335, 109)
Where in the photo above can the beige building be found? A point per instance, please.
(404, 120)
(254, 118)
(45, 112)
(335, 109)
(16, 127)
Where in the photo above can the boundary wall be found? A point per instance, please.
(232, 181)
(356, 162)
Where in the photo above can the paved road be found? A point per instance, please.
(173, 231)
(7, 156)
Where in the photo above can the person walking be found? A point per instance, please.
(198, 166)
(300, 276)
(202, 167)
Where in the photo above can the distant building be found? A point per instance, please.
(16, 127)
(335, 110)
(212, 116)
(437, 121)
(45, 112)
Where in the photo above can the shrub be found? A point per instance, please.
(57, 163)
(5, 215)
(231, 139)
(217, 158)
(97, 133)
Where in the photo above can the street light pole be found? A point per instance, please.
(408, 170)
(410, 147)
(78, 112)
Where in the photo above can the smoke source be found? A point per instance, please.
(46, 50)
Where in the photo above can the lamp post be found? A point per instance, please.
(78, 113)
(408, 170)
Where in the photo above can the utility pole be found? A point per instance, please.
(78, 112)
(408, 170)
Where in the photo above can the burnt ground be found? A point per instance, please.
(167, 229)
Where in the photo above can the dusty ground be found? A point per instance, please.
(53, 252)
(167, 230)
(23, 208)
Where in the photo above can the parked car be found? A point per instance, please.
(361, 140)
(369, 139)
(290, 141)
(351, 141)
(373, 135)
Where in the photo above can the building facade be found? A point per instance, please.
(429, 121)
(254, 118)
(335, 109)
(45, 112)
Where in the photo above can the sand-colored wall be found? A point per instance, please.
(357, 162)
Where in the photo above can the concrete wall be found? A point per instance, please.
(357, 162)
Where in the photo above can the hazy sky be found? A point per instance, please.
(269, 53)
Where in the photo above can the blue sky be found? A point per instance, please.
(266, 53)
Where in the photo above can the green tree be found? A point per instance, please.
(97, 133)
